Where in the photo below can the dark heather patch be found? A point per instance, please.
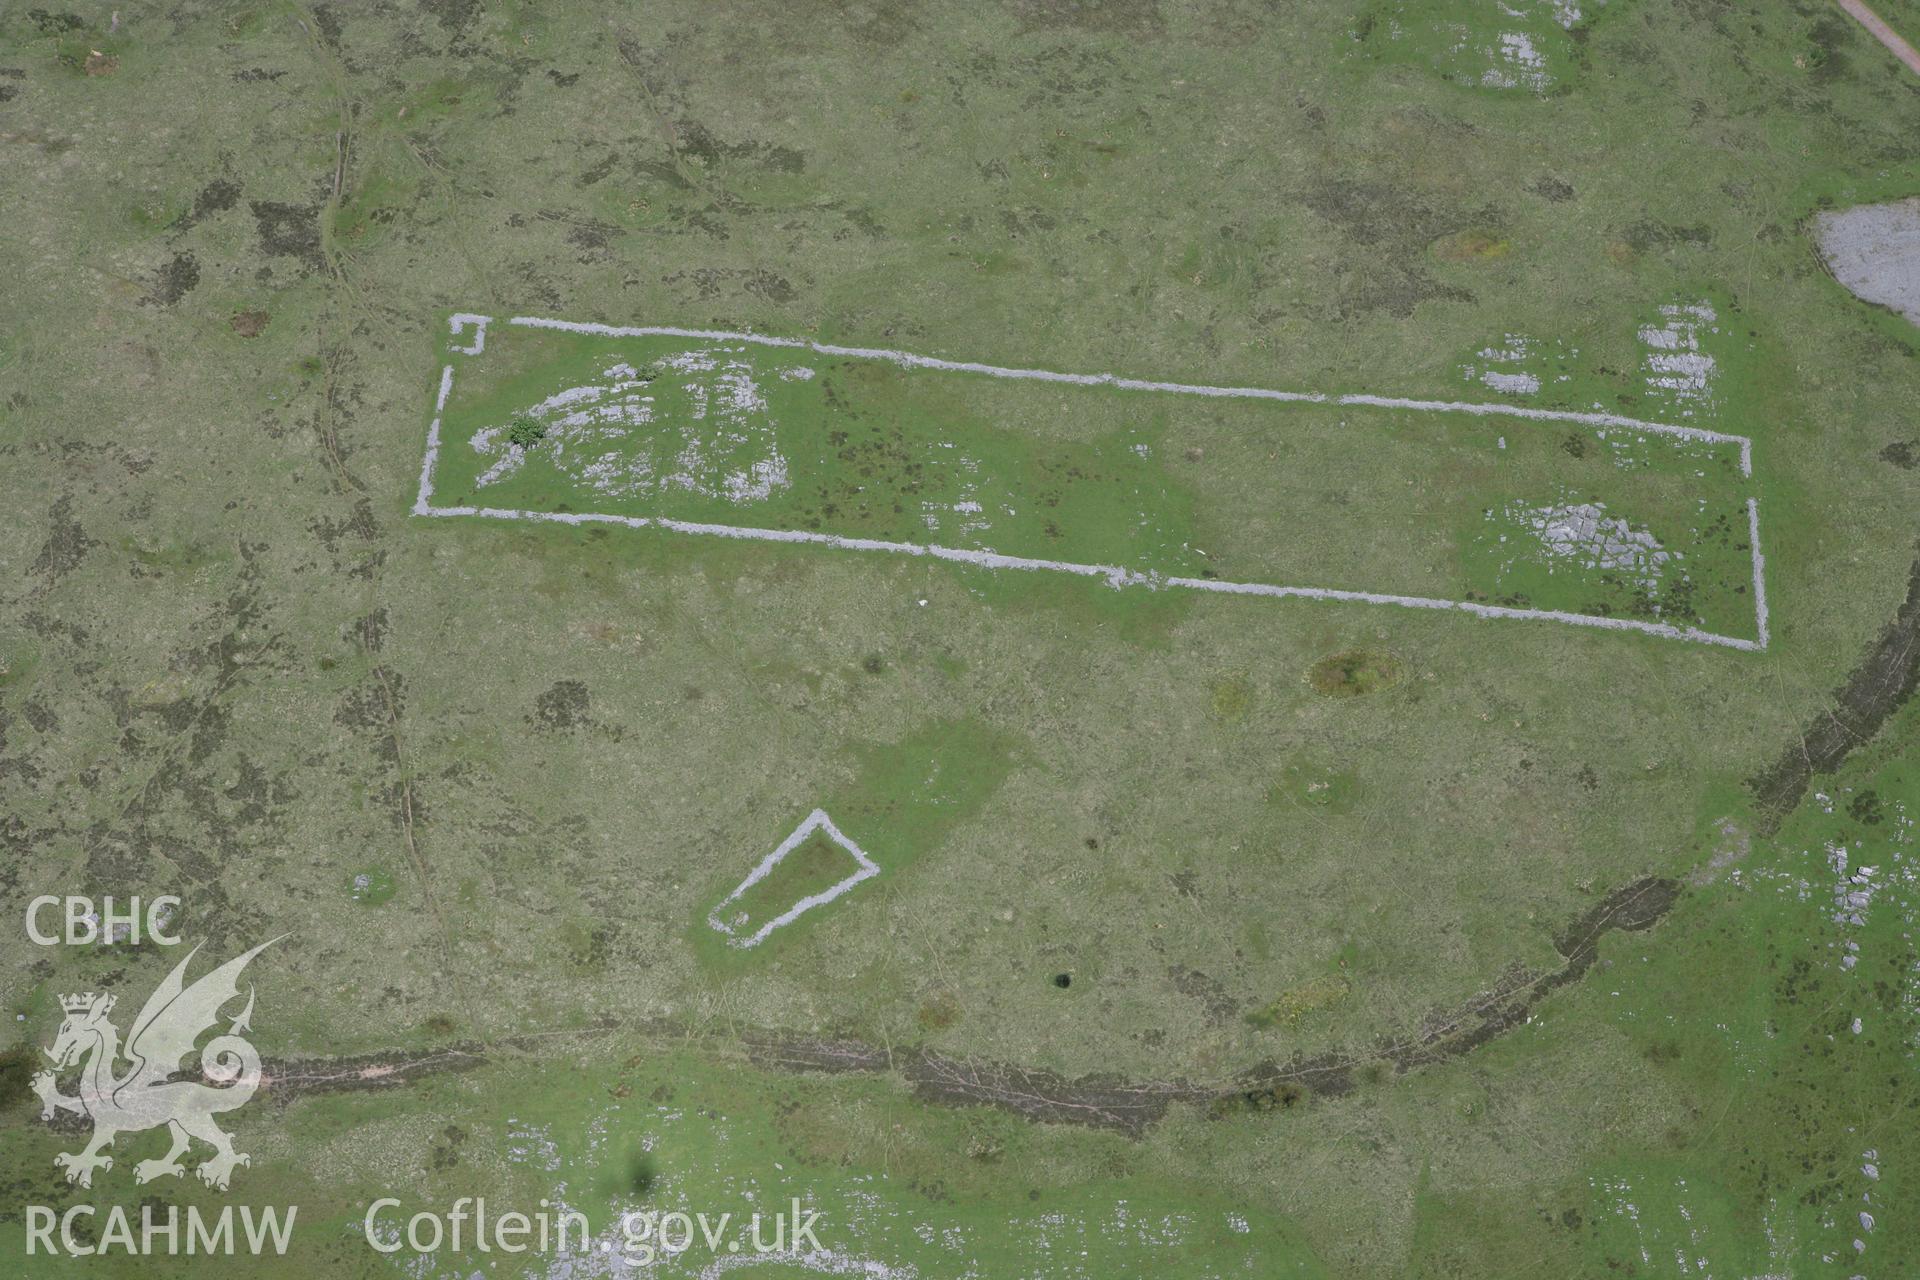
(592, 234)
(374, 703)
(54, 24)
(454, 16)
(712, 283)
(1386, 213)
(66, 544)
(360, 525)
(17, 1068)
(1552, 188)
(289, 231)
(1878, 687)
(1902, 454)
(175, 280)
(1864, 808)
(329, 23)
(597, 171)
(1831, 34)
(217, 196)
(766, 284)
(564, 706)
(865, 223)
(1649, 233)
(693, 139)
(1397, 226)
(1210, 992)
(371, 631)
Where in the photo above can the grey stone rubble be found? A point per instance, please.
(1874, 250)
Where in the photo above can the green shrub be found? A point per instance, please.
(526, 431)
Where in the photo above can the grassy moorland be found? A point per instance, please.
(1214, 936)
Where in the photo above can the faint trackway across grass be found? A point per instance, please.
(326, 429)
(1096, 1101)
(1885, 34)
(634, 56)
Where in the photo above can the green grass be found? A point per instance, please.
(816, 865)
(1160, 483)
(864, 449)
(661, 1130)
(232, 667)
(897, 801)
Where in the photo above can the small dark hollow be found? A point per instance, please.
(1063, 980)
(874, 664)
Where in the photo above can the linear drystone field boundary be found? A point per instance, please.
(1114, 575)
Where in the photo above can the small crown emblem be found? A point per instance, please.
(79, 1002)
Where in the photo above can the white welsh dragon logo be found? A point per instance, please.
(145, 1096)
